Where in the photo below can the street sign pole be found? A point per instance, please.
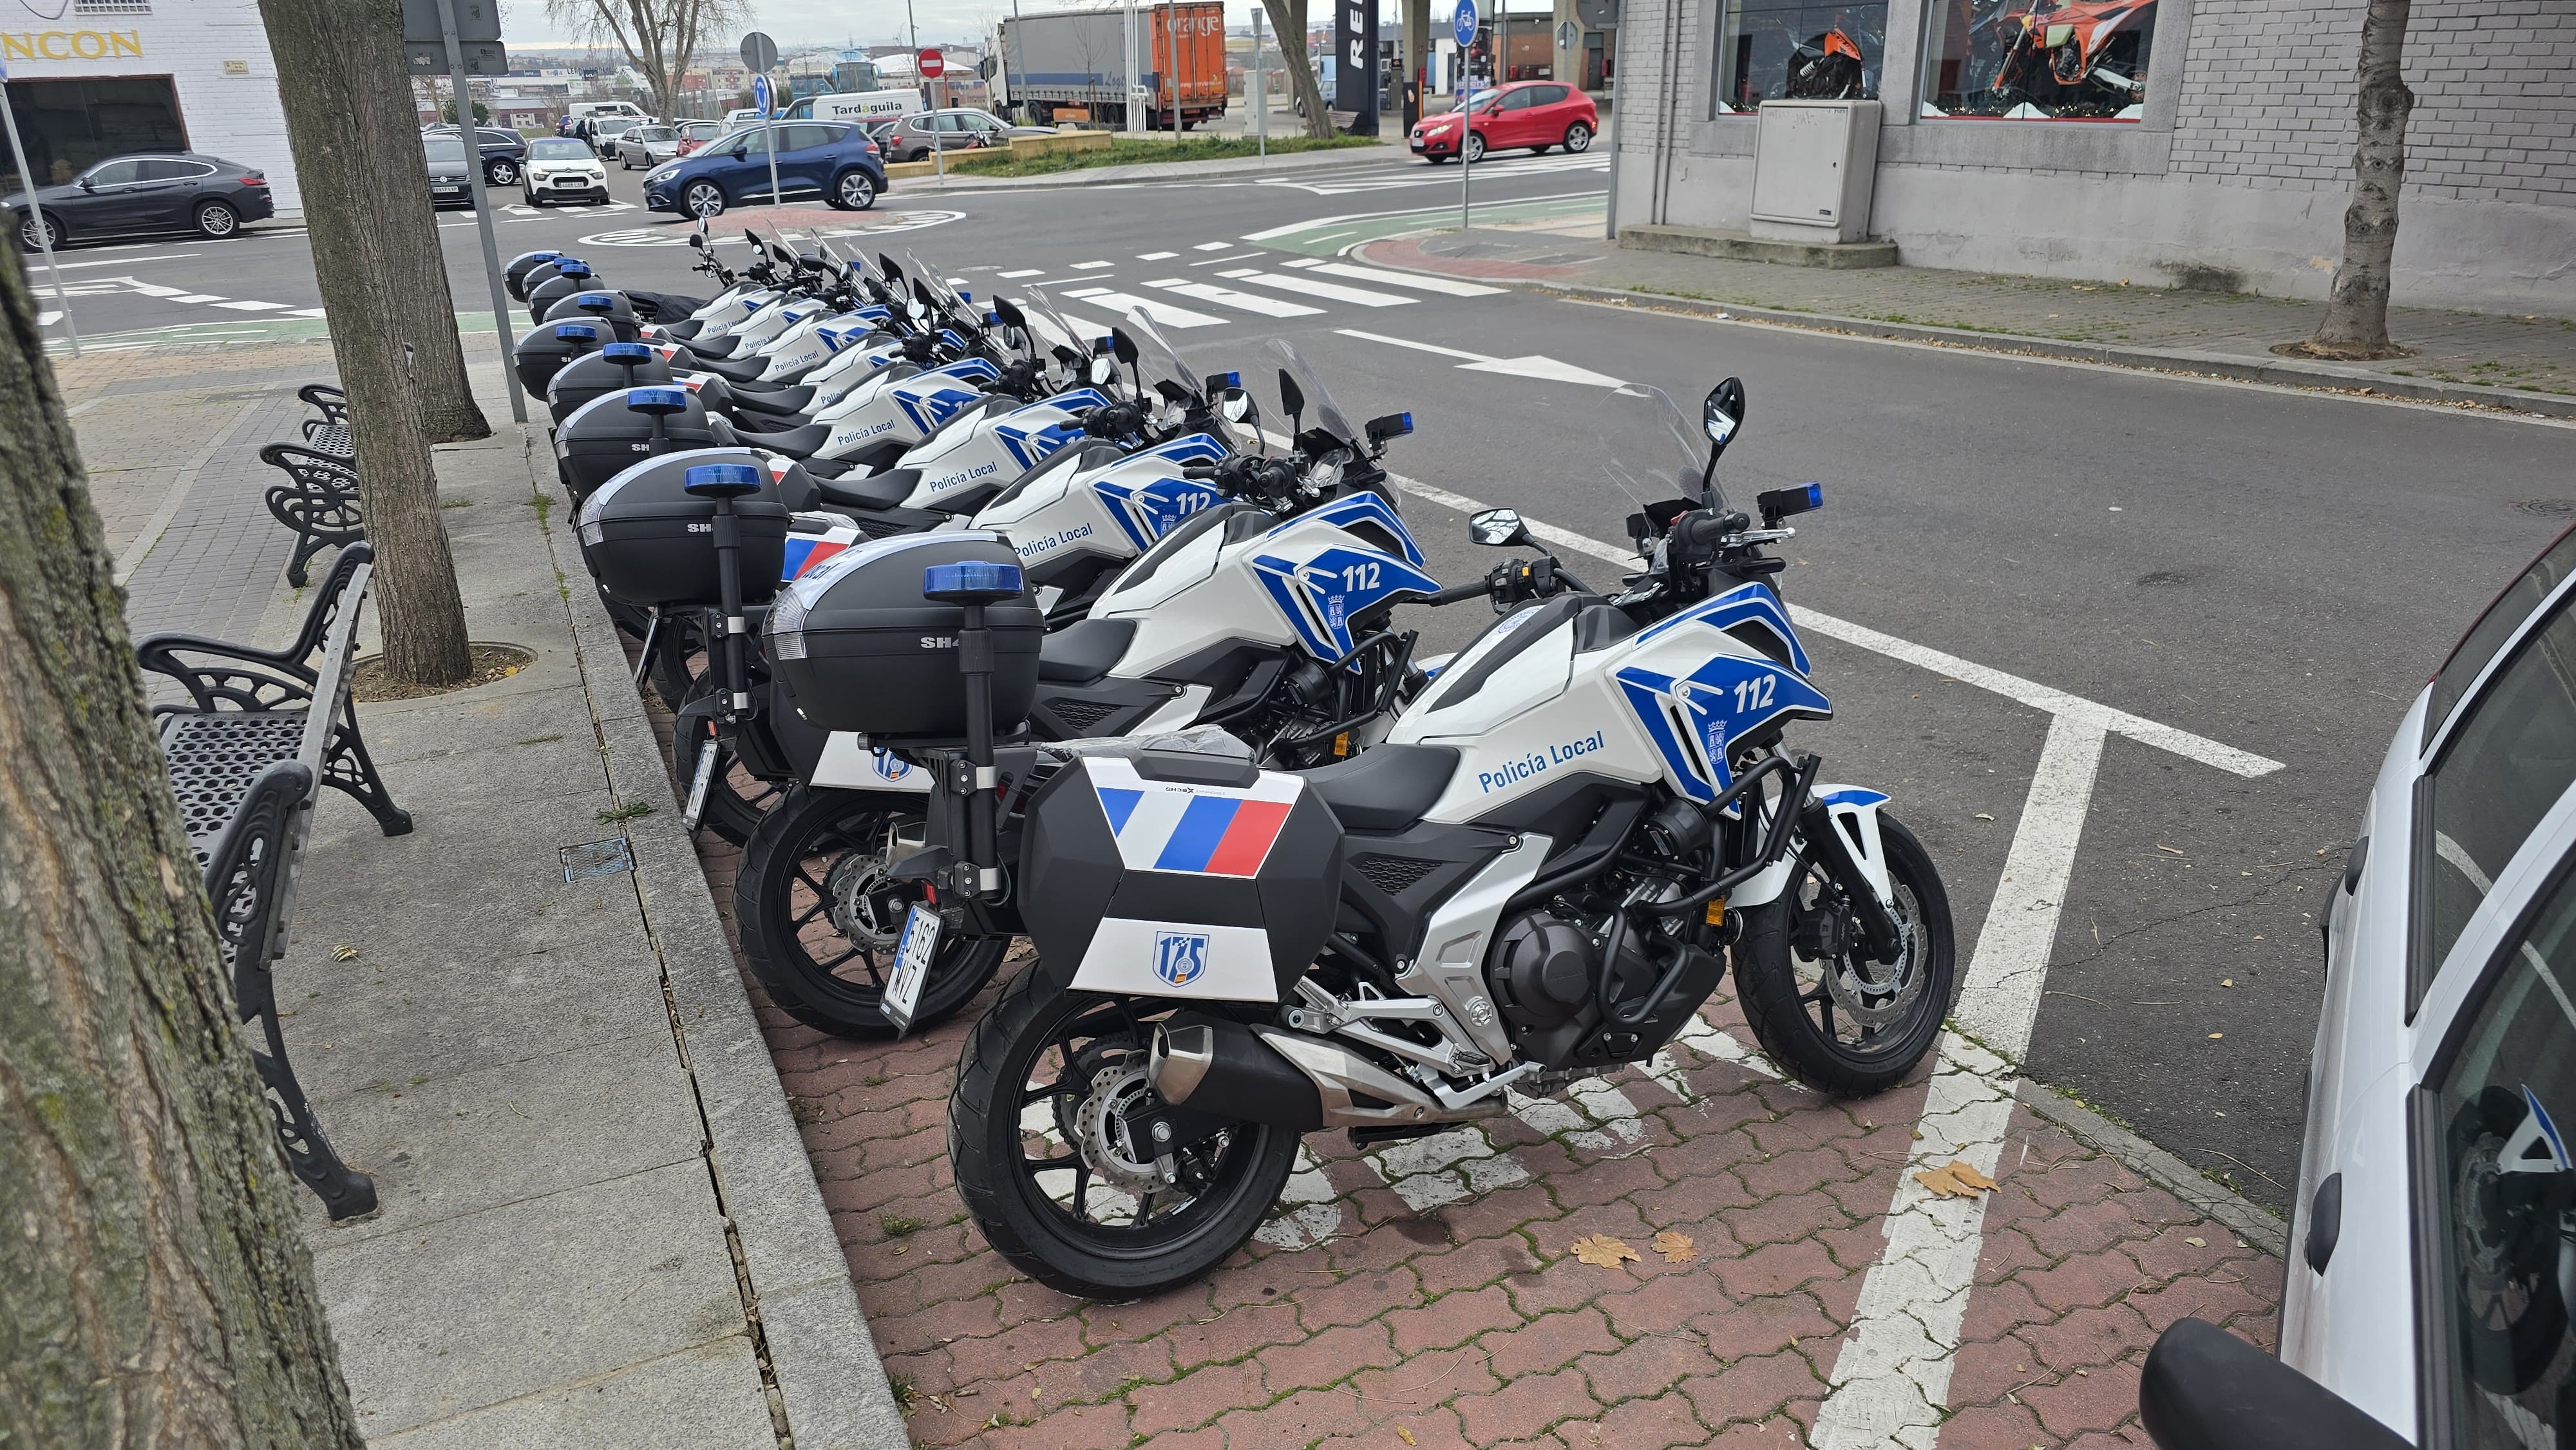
(1465, 30)
(1604, 15)
(1260, 103)
(44, 230)
(473, 141)
(764, 97)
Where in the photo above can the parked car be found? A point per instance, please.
(2433, 1228)
(645, 147)
(824, 158)
(593, 110)
(739, 115)
(562, 168)
(914, 137)
(604, 130)
(504, 151)
(451, 174)
(1541, 115)
(169, 191)
(694, 134)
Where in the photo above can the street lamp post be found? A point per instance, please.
(44, 229)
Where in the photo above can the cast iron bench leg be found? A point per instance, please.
(347, 767)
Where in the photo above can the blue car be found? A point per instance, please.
(835, 161)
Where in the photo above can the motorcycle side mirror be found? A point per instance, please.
(1122, 347)
(886, 265)
(1235, 406)
(1102, 369)
(1066, 356)
(1010, 314)
(1499, 529)
(698, 238)
(1723, 412)
(1292, 401)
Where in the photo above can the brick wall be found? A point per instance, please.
(2268, 97)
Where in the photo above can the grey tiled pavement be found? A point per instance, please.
(221, 555)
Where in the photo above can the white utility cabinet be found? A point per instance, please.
(1814, 165)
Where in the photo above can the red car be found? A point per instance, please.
(694, 134)
(1540, 115)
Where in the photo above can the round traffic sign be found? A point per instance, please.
(933, 65)
(760, 94)
(1466, 22)
(759, 52)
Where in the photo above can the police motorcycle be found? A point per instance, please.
(1541, 873)
(1262, 616)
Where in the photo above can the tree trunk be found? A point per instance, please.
(2356, 321)
(1289, 18)
(384, 284)
(154, 1285)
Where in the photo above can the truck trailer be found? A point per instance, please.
(1068, 59)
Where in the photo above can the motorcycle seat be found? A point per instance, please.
(714, 346)
(796, 441)
(736, 370)
(1081, 653)
(1383, 788)
(773, 400)
(877, 491)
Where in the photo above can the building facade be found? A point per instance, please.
(2199, 143)
(90, 79)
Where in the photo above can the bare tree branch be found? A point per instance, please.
(659, 38)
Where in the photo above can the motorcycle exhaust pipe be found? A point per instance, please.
(1268, 1075)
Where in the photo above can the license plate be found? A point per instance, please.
(705, 777)
(911, 967)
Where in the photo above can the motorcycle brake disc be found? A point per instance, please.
(1874, 994)
(853, 889)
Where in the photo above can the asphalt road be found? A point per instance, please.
(2276, 571)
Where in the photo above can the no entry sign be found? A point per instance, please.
(932, 66)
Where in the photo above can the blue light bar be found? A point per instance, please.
(1815, 495)
(572, 267)
(596, 302)
(722, 479)
(645, 400)
(573, 331)
(971, 580)
(626, 352)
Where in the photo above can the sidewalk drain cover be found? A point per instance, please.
(597, 858)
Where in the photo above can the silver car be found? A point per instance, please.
(646, 146)
(2433, 1234)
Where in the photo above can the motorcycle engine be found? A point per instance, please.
(1542, 973)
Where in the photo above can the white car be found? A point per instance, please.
(2433, 1231)
(562, 168)
(645, 147)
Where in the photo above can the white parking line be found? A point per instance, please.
(1156, 256)
(127, 261)
(1313, 288)
(1227, 297)
(1089, 266)
(252, 306)
(1162, 312)
(198, 297)
(1025, 272)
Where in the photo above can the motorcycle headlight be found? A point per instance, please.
(1167, 418)
(1323, 474)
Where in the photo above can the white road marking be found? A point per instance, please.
(1025, 272)
(48, 319)
(1089, 266)
(1156, 256)
(1162, 312)
(198, 297)
(153, 289)
(1449, 285)
(126, 261)
(307, 312)
(1211, 246)
(1290, 282)
(1237, 257)
(1999, 1000)
(1227, 297)
(252, 306)
(1545, 369)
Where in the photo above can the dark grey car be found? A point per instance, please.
(170, 191)
(450, 174)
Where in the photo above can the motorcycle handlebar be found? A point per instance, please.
(1705, 528)
(1460, 593)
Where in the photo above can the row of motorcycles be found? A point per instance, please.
(979, 629)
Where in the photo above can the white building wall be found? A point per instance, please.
(2237, 177)
(197, 43)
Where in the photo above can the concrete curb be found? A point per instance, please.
(2252, 1224)
(2280, 373)
(1144, 171)
(832, 1384)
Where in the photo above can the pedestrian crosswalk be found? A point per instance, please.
(520, 208)
(1280, 288)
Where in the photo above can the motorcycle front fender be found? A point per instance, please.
(1851, 813)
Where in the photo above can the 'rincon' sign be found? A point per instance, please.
(69, 44)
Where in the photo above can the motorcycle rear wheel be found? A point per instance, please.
(1049, 1215)
(820, 928)
(1892, 1013)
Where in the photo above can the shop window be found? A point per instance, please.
(68, 124)
(2037, 60)
(2495, 1218)
(1790, 50)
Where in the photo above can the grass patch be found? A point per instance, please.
(621, 814)
(897, 1226)
(1123, 152)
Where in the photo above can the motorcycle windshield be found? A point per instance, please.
(1320, 412)
(1054, 328)
(1156, 358)
(1655, 455)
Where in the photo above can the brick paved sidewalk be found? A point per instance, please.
(1426, 1293)
(2527, 361)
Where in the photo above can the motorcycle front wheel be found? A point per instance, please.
(1036, 1137)
(1820, 1007)
(821, 923)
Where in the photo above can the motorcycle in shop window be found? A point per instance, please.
(2037, 60)
(1791, 50)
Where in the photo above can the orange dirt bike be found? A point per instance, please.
(2075, 57)
(1827, 68)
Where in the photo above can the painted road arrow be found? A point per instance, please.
(1545, 369)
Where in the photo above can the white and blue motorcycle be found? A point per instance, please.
(1541, 873)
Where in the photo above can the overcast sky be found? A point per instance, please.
(797, 23)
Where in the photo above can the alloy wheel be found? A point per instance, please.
(1475, 148)
(856, 192)
(36, 236)
(217, 220)
(504, 172)
(1578, 137)
(704, 199)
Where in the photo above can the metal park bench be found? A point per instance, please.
(319, 502)
(261, 733)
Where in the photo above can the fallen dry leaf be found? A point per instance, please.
(2197, 1243)
(1954, 1179)
(1406, 1435)
(1675, 1246)
(1602, 1251)
(2215, 1036)
(344, 953)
